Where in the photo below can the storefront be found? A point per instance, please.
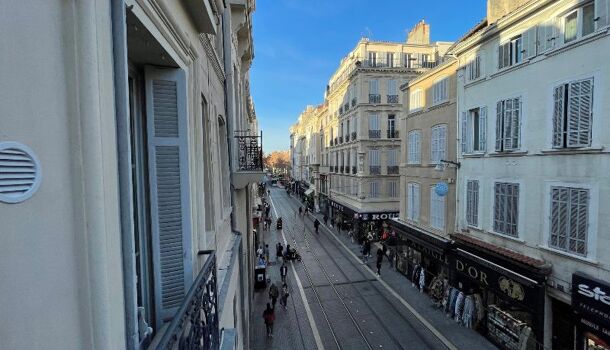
(361, 222)
(343, 215)
(324, 204)
(498, 292)
(308, 198)
(591, 305)
(421, 253)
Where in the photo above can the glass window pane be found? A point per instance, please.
(570, 27)
(588, 14)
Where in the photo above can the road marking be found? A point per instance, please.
(421, 319)
(312, 322)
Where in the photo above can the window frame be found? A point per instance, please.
(474, 66)
(440, 90)
(435, 133)
(416, 96)
(565, 105)
(437, 203)
(503, 129)
(519, 204)
(473, 204)
(417, 152)
(413, 204)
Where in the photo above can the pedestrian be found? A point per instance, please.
(379, 260)
(325, 218)
(332, 222)
(300, 211)
(316, 224)
(266, 251)
(350, 234)
(365, 254)
(273, 294)
(306, 210)
(269, 317)
(279, 251)
(259, 251)
(367, 243)
(339, 226)
(285, 295)
(265, 225)
(284, 272)
(269, 193)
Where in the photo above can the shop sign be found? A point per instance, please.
(434, 253)
(504, 284)
(377, 216)
(337, 206)
(591, 297)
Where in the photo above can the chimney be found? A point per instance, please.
(497, 9)
(420, 34)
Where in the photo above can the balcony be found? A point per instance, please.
(341, 110)
(354, 101)
(346, 107)
(354, 170)
(336, 139)
(195, 325)
(249, 167)
(354, 136)
(331, 142)
(392, 98)
(393, 169)
(392, 134)
(374, 134)
(340, 139)
(341, 168)
(374, 98)
(347, 138)
(374, 169)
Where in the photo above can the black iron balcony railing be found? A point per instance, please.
(392, 134)
(374, 98)
(347, 138)
(354, 101)
(340, 139)
(354, 170)
(392, 169)
(374, 134)
(341, 110)
(346, 106)
(336, 139)
(374, 169)
(250, 151)
(354, 136)
(331, 142)
(392, 98)
(195, 325)
(341, 168)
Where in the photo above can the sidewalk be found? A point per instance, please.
(289, 331)
(461, 337)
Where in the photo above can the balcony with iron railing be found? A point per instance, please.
(392, 134)
(374, 134)
(347, 138)
(354, 169)
(341, 169)
(354, 136)
(336, 139)
(249, 167)
(195, 324)
(340, 139)
(393, 169)
(331, 142)
(374, 98)
(354, 101)
(374, 170)
(392, 98)
(346, 106)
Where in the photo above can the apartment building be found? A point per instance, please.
(360, 138)
(428, 172)
(533, 106)
(125, 195)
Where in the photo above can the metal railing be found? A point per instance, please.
(249, 151)
(341, 168)
(195, 325)
(392, 134)
(393, 169)
(336, 139)
(392, 98)
(346, 106)
(331, 142)
(354, 101)
(374, 134)
(374, 98)
(374, 169)
(340, 139)
(354, 135)
(354, 170)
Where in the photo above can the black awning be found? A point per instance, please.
(419, 237)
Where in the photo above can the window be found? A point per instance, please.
(354, 186)
(582, 21)
(374, 130)
(392, 157)
(414, 151)
(389, 56)
(572, 114)
(437, 210)
(570, 27)
(415, 100)
(439, 91)
(374, 189)
(474, 127)
(391, 126)
(472, 202)
(374, 157)
(547, 32)
(372, 59)
(508, 124)
(569, 219)
(474, 68)
(506, 208)
(413, 202)
(374, 96)
(392, 187)
(510, 53)
(438, 143)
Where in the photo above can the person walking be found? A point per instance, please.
(279, 251)
(300, 211)
(274, 293)
(379, 260)
(339, 226)
(284, 272)
(266, 252)
(269, 317)
(259, 251)
(316, 224)
(325, 218)
(284, 297)
(365, 254)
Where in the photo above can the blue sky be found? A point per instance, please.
(298, 45)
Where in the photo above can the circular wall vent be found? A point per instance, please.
(20, 172)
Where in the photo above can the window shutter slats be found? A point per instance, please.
(169, 188)
(558, 113)
(416, 202)
(529, 42)
(499, 120)
(482, 128)
(464, 140)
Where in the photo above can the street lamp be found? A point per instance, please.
(442, 164)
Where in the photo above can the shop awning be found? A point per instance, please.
(309, 192)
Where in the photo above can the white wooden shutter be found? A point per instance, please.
(169, 188)
(579, 205)
(499, 119)
(558, 116)
(580, 103)
(482, 128)
(442, 142)
(601, 13)
(516, 123)
(416, 202)
(559, 218)
(529, 42)
(464, 140)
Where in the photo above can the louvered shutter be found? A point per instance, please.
(559, 217)
(482, 128)
(601, 13)
(464, 140)
(529, 42)
(169, 188)
(558, 116)
(579, 203)
(499, 119)
(516, 123)
(416, 202)
(580, 99)
(442, 142)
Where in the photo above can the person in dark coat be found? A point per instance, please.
(379, 260)
(316, 224)
(269, 317)
(325, 218)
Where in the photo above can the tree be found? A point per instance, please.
(277, 161)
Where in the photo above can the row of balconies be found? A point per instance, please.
(376, 98)
(373, 134)
(390, 134)
(373, 169)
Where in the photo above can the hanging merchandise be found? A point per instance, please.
(415, 275)
(459, 307)
(436, 290)
(506, 330)
(422, 280)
